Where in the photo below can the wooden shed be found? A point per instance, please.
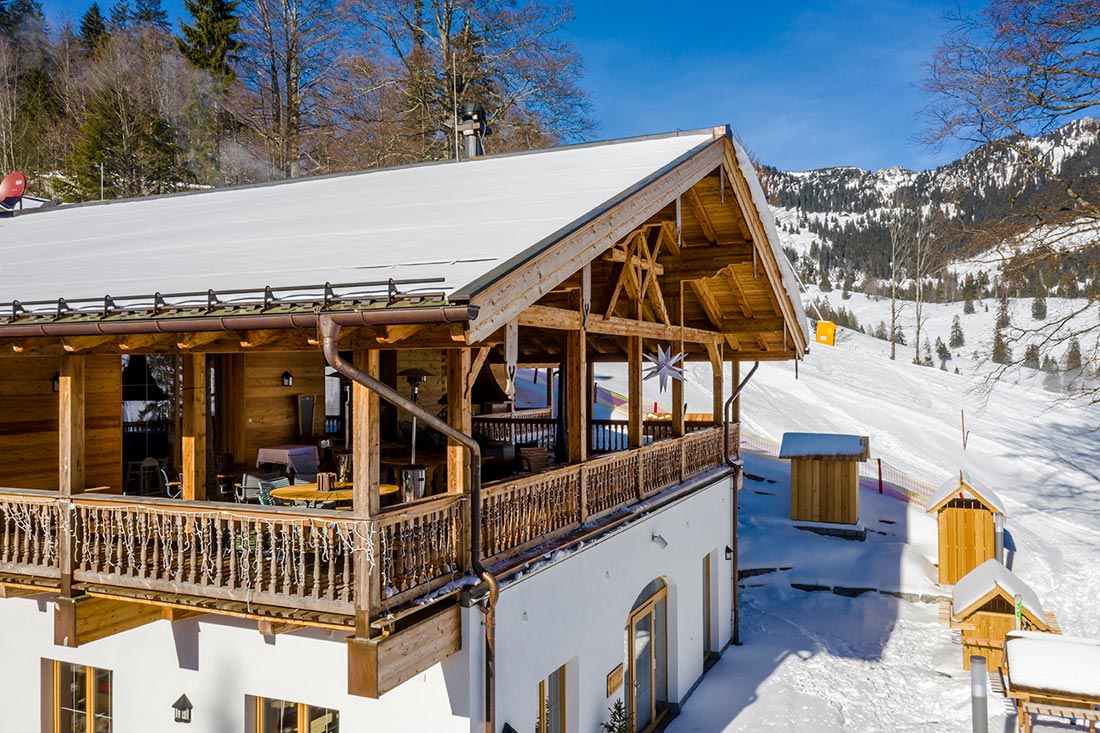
(1058, 676)
(825, 475)
(983, 606)
(971, 526)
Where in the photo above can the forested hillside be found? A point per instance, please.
(126, 102)
(837, 222)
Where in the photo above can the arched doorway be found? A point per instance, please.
(647, 656)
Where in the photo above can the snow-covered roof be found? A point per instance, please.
(965, 484)
(452, 223)
(824, 445)
(991, 574)
(1068, 665)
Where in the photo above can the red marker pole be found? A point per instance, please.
(880, 475)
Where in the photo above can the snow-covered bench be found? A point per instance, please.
(1048, 674)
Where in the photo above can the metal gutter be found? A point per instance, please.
(328, 326)
(735, 611)
(193, 324)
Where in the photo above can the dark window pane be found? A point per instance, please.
(323, 720)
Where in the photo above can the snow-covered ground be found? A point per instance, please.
(816, 660)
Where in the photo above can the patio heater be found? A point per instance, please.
(413, 476)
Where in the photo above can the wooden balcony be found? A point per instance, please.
(304, 564)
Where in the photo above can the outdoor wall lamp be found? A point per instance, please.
(182, 709)
(56, 382)
(729, 552)
(288, 379)
(660, 541)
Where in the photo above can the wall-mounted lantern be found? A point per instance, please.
(729, 552)
(288, 379)
(182, 709)
(56, 382)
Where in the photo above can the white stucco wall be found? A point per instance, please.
(576, 611)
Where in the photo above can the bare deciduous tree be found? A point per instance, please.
(1015, 69)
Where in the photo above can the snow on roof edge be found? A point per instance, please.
(810, 445)
(767, 218)
(472, 288)
(980, 490)
(989, 575)
(1066, 665)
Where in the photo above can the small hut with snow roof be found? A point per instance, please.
(825, 475)
(983, 606)
(971, 526)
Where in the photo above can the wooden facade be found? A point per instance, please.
(985, 623)
(967, 519)
(825, 487)
(683, 260)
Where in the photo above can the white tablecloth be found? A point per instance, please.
(281, 453)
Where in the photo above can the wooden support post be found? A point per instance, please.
(590, 387)
(236, 418)
(366, 454)
(677, 408)
(71, 480)
(634, 396)
(576, 344)
(195, 401)
(718, 388)
(70, 425)
(735, 379)
(458, 416)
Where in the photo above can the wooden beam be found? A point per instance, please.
(678, 407)
(365, 447)
(707, 301)
(195, 401)
(254, 339)
(400, 333)
(189, 341)
(271, 627)
(576, 404)
(739, 291)
(656, 331)
(714, 351)
(14, 591)
(459, 416)
(76, 344)
(70, 425)
(621, 255)
(85, 619)
(753, 325)
(505, 298)
(735, 380)
(634, 393)
(172, 613)
(700, 212)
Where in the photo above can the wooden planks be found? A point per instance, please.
(376, 666)
(85, 619)
(195, 407)
(824, 491)
(459, 415)
(577, 407)
(966, 539)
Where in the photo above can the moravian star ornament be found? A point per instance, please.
(664, 365)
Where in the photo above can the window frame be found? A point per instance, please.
(542, 725)
(90, 695)
(302, 712)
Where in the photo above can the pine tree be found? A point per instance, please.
(968, 306)
(825, 284)
(1073, 356)
(1039, 308)
(899, 336)
(1002, 354)
(881, 332)
(620, 720)
(210, 42)
(93, 30)
(151, 13)
(942, 352)
(1003, 318)
(1031, 356)
(121, 14)
(927, 360)
(957, 339)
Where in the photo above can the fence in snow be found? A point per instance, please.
(874, 475)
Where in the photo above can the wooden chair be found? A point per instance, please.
(248, 489)
(172, 489)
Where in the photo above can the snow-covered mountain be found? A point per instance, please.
(834, 219)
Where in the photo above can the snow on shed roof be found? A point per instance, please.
(966, 484)
(824, 445)
(991, 574)
(1069, 665)
(455, 222)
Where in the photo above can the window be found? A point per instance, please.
(552, 703)
(280, 716)
(82, 699)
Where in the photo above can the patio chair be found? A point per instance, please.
(248, 489)
(150, 478)
(304, 469)
(173, 489)
(264, 494)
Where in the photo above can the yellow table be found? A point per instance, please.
(310, 492)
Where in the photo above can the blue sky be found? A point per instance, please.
(804, 84)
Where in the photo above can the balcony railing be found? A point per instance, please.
(311, 561)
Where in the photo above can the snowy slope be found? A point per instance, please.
(822, 661)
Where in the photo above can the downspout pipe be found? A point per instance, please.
(736, 610)
(329, 329)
